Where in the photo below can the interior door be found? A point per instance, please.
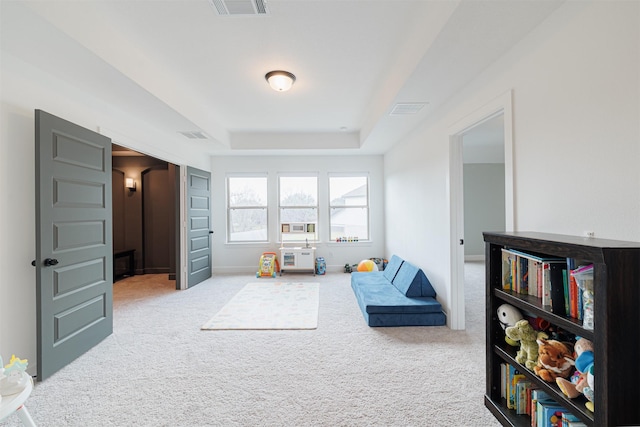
(198, 226)
(73, 241)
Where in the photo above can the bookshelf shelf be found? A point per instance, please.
(615, 335)
(533, 305)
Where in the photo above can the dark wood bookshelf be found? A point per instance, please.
(616, 333)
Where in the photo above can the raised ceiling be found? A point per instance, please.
(185, 68)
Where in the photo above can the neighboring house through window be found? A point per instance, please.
(349, 207)
(247, 209)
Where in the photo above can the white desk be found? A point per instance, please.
(14, 403)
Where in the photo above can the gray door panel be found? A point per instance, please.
(73, 228)
(198, 225)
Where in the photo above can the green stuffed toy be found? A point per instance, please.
(523, 332)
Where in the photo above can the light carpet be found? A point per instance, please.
(270, 305)
(159, 369)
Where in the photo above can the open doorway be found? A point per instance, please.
(483, 184)
(493, 184)
(145, 212)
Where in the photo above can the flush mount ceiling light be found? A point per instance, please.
(279, 80)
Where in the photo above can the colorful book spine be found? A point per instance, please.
(507, 270)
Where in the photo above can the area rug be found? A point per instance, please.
(270, 305)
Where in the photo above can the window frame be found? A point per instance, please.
(230, 208)
(317, 195)
(366, 206)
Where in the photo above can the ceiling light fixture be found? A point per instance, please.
(279, 80)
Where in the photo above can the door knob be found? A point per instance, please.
(210, 231)
(50, 261)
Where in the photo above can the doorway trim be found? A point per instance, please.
(501, 105)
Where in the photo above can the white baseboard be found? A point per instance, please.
(474, 257)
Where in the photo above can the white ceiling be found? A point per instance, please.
(182, 67)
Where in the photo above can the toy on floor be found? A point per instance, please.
(380, 262)
(269, 265)
(12, 378)
(367, 265)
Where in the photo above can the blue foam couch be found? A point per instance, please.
(401, 295)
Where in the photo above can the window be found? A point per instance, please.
(299, 199)
(247, 209)
(349, 207)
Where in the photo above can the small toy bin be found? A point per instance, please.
(584, 278)
(321, 266)
(269, 265)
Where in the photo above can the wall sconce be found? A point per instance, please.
(130, 184)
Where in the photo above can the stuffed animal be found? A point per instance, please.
(508, 315)
(523, 332)
(575, 386)
(554, 360)
(589, 391)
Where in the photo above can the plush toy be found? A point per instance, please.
(508, 315)
(589, 391)
(575, 386)
(523, 332)
(554, 360)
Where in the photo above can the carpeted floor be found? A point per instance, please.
(159, 369)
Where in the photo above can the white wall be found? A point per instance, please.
(244, 257)
(576, 97)
(23, 89)
(483, 205)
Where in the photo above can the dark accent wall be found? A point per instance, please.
(117, 180)
(158, 218)
(155, 191)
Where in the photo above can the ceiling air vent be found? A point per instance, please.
(240, 7)
(404, 108)
(194, 134)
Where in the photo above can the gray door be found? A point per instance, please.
(73, 241)
(198, 226)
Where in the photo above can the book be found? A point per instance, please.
(552, 415)
(565, 285)
(548, 413)
(537, 395)
(523, 388)
(513, 376)
(533, 277)
(508, 261)
(570, 420)
(523, 275)
(557, 288)
(503, 380)
(537, 274)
